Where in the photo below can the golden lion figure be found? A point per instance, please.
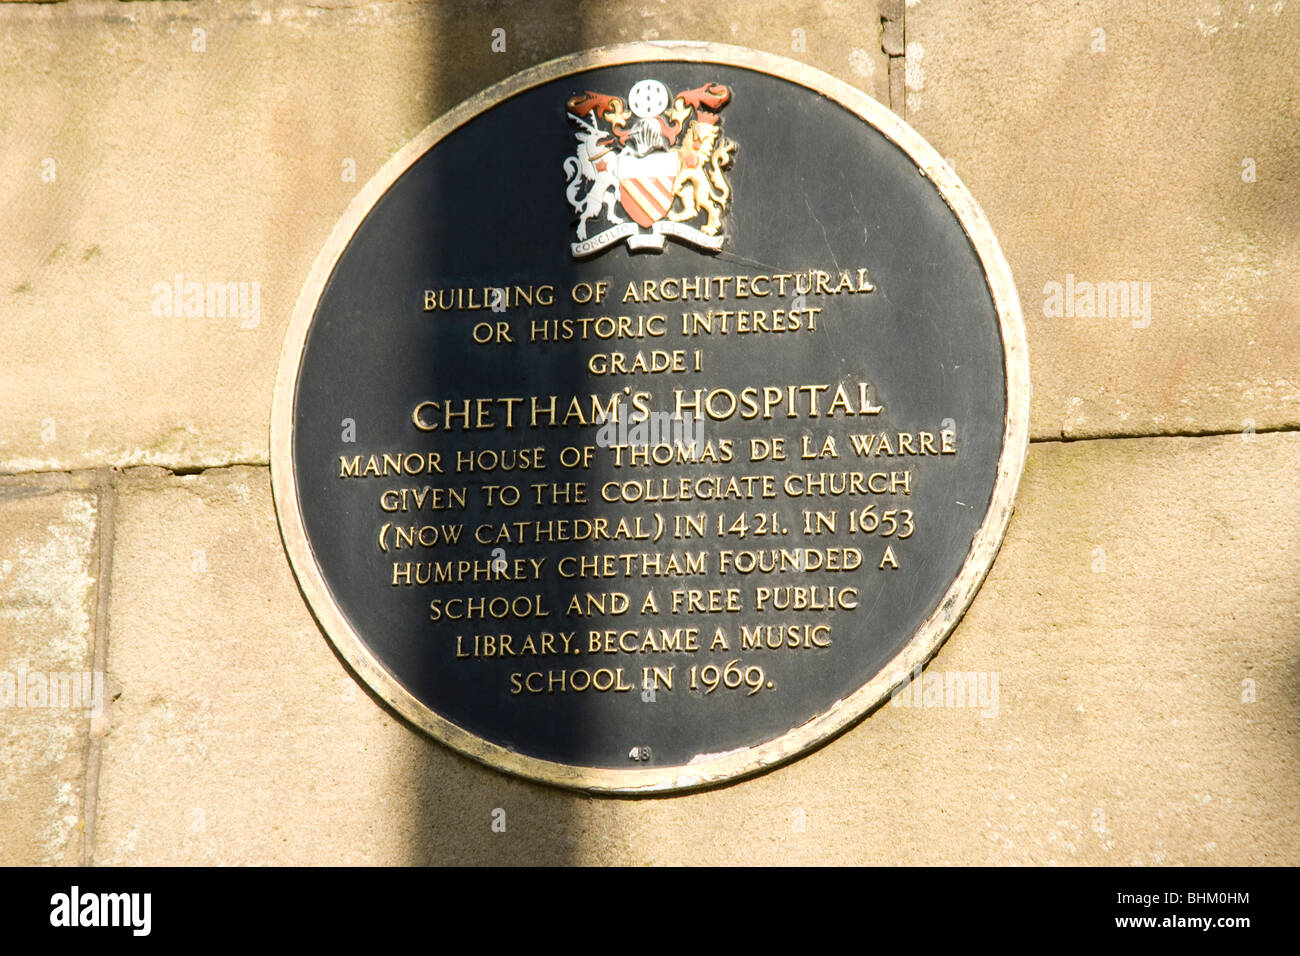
(700, 184)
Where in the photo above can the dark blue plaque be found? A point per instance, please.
(651, 417)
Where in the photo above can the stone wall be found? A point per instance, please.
(1143, 618)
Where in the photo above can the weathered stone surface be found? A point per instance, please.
(1145, 594)
(1114, 143)
(48, 569)
(238, 736)
(220, 142)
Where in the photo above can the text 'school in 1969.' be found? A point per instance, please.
(650, 418)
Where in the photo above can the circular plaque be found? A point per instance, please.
(650, 418)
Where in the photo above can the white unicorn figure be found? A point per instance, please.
(597, 164)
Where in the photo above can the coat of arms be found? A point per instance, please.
(648, 167)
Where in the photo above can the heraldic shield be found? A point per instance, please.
(645, 185)
(659, 158)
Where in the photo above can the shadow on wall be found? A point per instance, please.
(460, 810)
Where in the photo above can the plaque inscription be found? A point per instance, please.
(650, 417)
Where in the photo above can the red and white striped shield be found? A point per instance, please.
(645, 185)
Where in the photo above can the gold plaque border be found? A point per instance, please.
(705, 769)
